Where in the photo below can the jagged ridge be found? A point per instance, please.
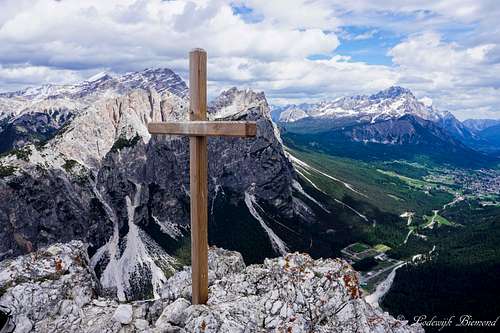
(103, 179)
(292, 293)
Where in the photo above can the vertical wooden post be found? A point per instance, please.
(198, 169)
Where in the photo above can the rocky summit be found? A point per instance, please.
(86, 171)
(85, 167)
(55, 290)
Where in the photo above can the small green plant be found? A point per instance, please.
(167, 270)
(183, 253)
(79, 174)
(23, 153)
(6, 170)
(69, 165)
(123, 142)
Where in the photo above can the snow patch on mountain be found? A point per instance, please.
(304, 165)
(278, 245)
(391, 103)
(172, 229)
(127, 266)
(296, 185)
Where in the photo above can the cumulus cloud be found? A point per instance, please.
(456, 77)
(131, 35)
(21, 76)
(296, 14)
(265, 45)
(110, 33)
(426, 101)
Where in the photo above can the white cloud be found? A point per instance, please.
(367, 35)
(62, 41)
(297, 14)
(428, 53)
(426, 100)
(455, 77)
(107, 33)
(18, 77)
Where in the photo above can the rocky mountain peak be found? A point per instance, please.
(392, 92)
(236, 104)
(161, 79)
(477, 125)
(101, 109)
(107, 85)
(391, 103)
(128, 195)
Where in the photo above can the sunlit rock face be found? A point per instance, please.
(54, 290)
(50, 190)
(100, 177)
(244, 175)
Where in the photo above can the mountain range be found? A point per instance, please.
(392, 119)
(78, 163)
(427, 182)
(392, 103)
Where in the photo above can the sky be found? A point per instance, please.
(446, 52)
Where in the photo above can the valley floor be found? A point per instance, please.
(425, 214)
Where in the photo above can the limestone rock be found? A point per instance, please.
(174, 313)
(102, 178)
(123, 314)
(53, 290)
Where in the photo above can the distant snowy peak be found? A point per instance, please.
(477, 125)
(391, 103)
(160, 79)
(97, 76)
(392, 92)
(291, 113)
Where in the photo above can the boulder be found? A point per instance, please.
(123, 314)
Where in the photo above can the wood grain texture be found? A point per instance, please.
(198, 85)
(205, 128)
(199, 217)
(198, 172)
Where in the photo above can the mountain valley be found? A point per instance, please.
(426, 192)
(392, 182)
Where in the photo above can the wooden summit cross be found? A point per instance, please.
(198, 129)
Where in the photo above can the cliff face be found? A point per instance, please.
(146, 186)
(54, 289)
(103, 179)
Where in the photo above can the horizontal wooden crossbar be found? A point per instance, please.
(205, 128)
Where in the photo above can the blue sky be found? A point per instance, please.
(447, 52)
(368, 44)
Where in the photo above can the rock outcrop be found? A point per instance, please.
(101, 178)
(54, 290)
